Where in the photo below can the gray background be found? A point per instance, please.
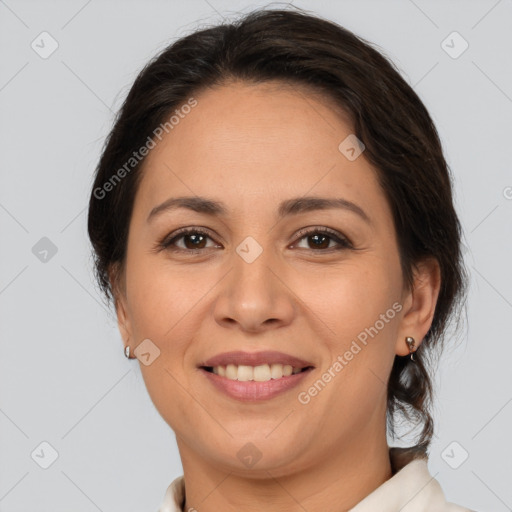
(63, 376)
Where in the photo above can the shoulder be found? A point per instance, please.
(451, 507)
(411, 488)
(403, 457)
(174, 496)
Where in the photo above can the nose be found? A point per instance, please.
(254, 296)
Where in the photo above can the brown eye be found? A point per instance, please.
(191, 240)
(320, 239)
(196, 241)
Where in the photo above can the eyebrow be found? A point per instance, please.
(288, 207)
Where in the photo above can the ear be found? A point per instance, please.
(419, 305)
(118, 291)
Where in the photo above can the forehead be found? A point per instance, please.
(261, 142)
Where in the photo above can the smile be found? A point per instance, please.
(260, 373)
(252, 390)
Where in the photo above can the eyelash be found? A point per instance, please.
(167, 242)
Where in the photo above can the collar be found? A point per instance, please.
(411, 488)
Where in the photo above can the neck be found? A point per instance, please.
(335, 483)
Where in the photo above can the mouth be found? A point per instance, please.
(254, 376)
(261, 373)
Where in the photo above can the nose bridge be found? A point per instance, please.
(253, 262)
(253, 292)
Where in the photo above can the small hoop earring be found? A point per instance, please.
(127, 351)
(410, 342)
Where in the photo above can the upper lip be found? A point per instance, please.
(255, 359)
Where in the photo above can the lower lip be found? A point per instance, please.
(252, 391)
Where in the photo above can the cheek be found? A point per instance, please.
(163, 305)
(160, 297)
(350, 298)
(356, 303)
(358, 308)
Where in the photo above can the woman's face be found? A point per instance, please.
(265, 277)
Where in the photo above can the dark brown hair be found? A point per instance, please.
(400, 141)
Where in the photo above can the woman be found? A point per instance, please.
(272, 218)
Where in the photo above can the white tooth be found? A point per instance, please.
(262, 373)
(276, 371)
(245, 373)
(231, 371)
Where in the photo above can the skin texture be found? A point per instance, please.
(252, 146)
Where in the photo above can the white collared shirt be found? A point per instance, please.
(410, 489)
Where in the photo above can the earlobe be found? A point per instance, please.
(411, 343)
(422, 300)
